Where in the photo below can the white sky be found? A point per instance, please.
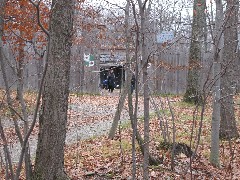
(187, 9)
(121, 2)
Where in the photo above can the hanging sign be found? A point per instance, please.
(165, 36)
(89, 60)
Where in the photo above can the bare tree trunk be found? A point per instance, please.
(20, 76)
(20, 98)
(49, 162)
(9, 101)
(128, 88)
(6, 152)
(193, 83)
(141, 32)
(218, 52)
(82, 71)
(2, 64)
(20, 67)
(146, 119)
(143, 35)
(118, 113)
(214, 155)
(28, 165)
(228, 128)
(39, 67)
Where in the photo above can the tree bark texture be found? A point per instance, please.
(117, 115)
(193, 83)
(145, 94)
(228, 128)
(49, 162)
(216, 114)
(215, 124)
(20, 69)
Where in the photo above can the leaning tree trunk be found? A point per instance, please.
(228, 128)
(53, 118)
(117, 116)
(193, 83)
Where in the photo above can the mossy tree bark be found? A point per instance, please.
(49, 163)
(193, 83)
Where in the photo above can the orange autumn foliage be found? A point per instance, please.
(21, 24)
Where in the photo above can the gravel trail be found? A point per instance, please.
(88, 120)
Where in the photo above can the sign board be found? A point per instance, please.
(111, 58)
(165, 36)
(105, 57)
(89, 60)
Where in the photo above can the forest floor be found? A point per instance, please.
(89, 154)
(88, 116)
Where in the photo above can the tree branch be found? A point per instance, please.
(16, 113)
(113, 4)
(37, 6)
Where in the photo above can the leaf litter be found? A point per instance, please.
(100, 158)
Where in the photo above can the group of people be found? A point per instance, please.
(110, 83)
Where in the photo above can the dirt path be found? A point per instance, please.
(89, 116)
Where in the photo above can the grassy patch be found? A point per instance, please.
(78, 94)
(125, 125)
(170, 95)
(183, 104)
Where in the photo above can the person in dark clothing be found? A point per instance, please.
(105, 84)
(111, 81)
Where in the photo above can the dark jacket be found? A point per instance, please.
(111, 79)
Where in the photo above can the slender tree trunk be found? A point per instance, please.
(146, 98)
(9, 101)
(20, 98)
(218, 52)
(20, 66)
(128, 88)
(214, 155)
(39, 67)
(228, 128)
(6, 152)
(117, 116)
(49, 162)
(146, 121)
(193, 83)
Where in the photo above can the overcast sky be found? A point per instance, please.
(187, 10)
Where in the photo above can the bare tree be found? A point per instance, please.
(28, 167)
(2, 135)
(49, 162)
(142, 41)
(125, 86)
